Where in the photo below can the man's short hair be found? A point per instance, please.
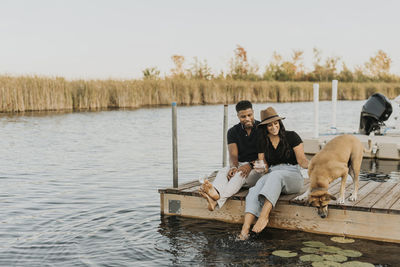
(243, 105)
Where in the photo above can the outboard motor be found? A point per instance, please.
(375, 111)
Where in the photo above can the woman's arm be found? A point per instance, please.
(300, 156)
(262, 157)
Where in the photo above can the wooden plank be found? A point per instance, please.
(351, 223)
(162, 203)
(335, 190)
(187, 185)
(395, 208)
(375, 195)
(362, 193)
(388, 199)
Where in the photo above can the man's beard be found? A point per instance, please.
(248, 126)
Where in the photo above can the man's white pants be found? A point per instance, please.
(227, 188)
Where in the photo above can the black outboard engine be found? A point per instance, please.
(374, 113)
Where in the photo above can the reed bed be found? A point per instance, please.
(34, 93)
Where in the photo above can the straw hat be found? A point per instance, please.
(269, 115)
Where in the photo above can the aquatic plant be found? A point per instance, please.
(309, 250)
(35, 93)
(326, 264)
(342, 239)
(330, 249)
(357, 264)
(335, 257)
(284, 253)
(314, 244)
(350, 253)
(311, 257)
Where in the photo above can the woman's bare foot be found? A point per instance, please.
(260, 224)
(211, 202)
(244, 234)
(209, 189)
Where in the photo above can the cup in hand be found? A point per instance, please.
(259, 166)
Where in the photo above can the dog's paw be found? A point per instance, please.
(300, 198)
(340, 201)
(353, 198)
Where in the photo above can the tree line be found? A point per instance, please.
(376, 69)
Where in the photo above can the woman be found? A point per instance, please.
(281, 153)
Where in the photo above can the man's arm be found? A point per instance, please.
(233, 155)
(233, 159)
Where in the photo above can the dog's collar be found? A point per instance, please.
(319, 189)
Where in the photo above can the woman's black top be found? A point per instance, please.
(278, 156)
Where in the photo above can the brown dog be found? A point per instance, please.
(340, 156)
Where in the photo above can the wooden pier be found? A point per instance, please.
(375, 215)
(384, 146)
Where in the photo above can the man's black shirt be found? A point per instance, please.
(247, 145)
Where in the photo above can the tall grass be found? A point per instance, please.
(33, 93)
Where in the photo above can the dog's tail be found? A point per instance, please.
(369, 150)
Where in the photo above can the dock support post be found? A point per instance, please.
(334, 101)
(316, 110)
(174, 146)
(224, 137)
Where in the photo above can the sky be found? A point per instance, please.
(98, 39)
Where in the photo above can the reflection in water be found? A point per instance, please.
(380, 170)
(209, 243)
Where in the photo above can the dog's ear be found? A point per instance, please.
(310, 200)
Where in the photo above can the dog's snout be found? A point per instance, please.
(323, 216)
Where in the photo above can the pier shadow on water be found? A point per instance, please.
(214, 243)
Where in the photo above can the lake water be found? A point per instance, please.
(80, 189)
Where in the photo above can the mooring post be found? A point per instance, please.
(174, 146)
(334, 101)
(316, 109)
(224, 137)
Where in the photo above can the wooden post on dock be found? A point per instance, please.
(225, 141)
(334, 101)
(316, 110)
(174, 146)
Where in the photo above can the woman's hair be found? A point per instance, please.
(282, 135)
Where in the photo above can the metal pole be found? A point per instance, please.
(174, 146)
(334, 101)
(224, 138)
(316, 108)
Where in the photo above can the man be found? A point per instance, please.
(242, 146)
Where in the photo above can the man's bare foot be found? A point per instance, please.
(211, 202)
(209, 189)
(260, 225)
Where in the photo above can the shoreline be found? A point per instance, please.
(36, 94)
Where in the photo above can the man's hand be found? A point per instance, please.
(232, 171)
(245, 169)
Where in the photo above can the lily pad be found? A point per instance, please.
(350, 253)
(284, 253)
(311, 257)
(357, 264)
(309, 250)
(341, 239)
(326, 264)
(330, 249)
(335, 257)
(314, 244)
